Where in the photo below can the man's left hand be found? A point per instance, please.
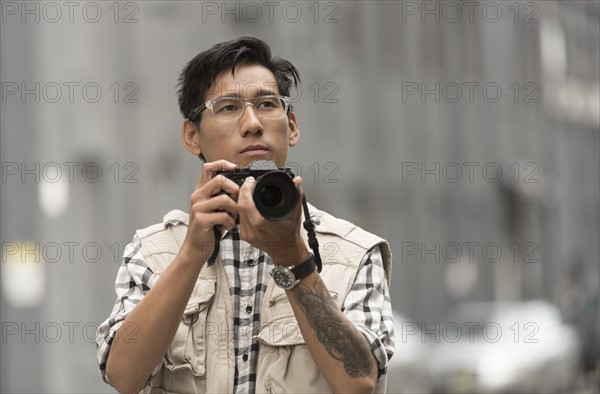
(281, 239)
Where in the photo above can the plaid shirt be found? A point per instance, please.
(247, 270)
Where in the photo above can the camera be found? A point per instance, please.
(275, 195)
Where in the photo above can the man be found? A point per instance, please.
(182, 324)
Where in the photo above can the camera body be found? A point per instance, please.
(275, 194)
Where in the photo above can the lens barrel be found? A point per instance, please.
(275, 195)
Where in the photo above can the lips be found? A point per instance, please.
(255, 149)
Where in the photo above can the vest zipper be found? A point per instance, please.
(269, 386)
(284, 298)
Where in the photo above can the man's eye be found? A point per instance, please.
(268, 104)
(227, 106)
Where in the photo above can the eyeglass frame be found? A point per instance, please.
(195, 113)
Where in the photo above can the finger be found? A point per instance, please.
(220, 203)
(221, 183)
(224, 219)
(245, 192)
(209, 170)
(298, 209)
(298, 183)
(246, 202)
(213, 219)
(214, 187)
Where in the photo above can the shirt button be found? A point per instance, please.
(245, 357)
(248, 309)
(251, 262)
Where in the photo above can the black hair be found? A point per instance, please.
(200, 73)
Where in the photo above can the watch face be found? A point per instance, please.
(283, 277)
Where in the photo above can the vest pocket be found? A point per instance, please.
(188, 349)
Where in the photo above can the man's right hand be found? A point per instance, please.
(158, 314)
(213, 203)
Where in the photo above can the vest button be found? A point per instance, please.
(251, 262)
(245, 357)
(248, 309)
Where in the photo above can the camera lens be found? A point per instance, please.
(271, 196)
(275, 195)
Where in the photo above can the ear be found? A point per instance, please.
(190, 137)
(294, 130)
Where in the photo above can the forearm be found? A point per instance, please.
(339, 350)
(147, 332)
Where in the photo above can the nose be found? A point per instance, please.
(250, 122)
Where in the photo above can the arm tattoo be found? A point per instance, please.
(333, 332)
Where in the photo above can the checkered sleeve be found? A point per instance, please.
(134, 280)
(368, 306)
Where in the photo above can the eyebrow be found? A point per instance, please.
(261, 92)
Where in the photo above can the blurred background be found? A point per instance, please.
(464, 132)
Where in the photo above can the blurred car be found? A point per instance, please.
(517, 347)
(407, 369)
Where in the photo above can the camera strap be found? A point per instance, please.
(309, 226)
(217, 248)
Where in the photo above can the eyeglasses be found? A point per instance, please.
(227, 109)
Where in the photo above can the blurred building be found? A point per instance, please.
(466, 133)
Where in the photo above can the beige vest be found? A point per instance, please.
(201, 356)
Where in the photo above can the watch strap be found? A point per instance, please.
(305, 268)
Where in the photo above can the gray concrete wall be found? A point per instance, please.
(407, 109)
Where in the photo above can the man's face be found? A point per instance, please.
(251, 137)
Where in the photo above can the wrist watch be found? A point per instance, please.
(288, 277)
